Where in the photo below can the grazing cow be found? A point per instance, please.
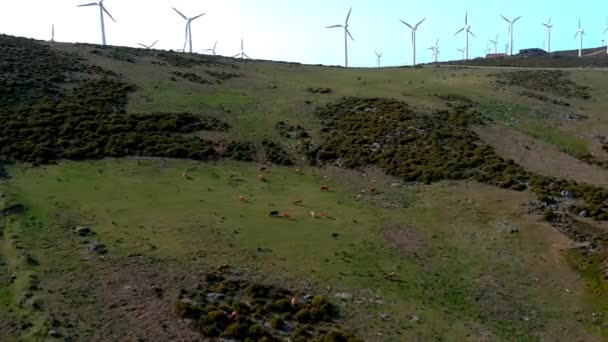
(286, 215)
(298, 202)
(297, 171)
(242, 198)
(274, 213)
(324, 213)
(324, 188)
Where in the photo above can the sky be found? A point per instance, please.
(294, 30)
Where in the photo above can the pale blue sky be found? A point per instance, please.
(294, 30)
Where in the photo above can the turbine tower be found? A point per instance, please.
(495, 43)
(511, 23)
(53, 33)
(213, 49)
(467, 32)
(346, 36)
(414, 29)
(435, 50)
(378, 58)
(242, 54)
(549, 27)
(102, 10)
(462, 52)
(188, 27)
(606, 31)
(147, 46)
(580, 33)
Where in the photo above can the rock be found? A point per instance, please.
(35, 303)
(514, 230)
(583, 213)
(343, 295)
(82, 231)
(307, 298)
(214, 297)
(415, 318)
(31, 260)
(97, 247)
(396, 185)
(54, 333)
(567, 194)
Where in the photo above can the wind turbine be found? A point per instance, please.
(378, 58)
(580, 33)
(346, 36)
(467, 32)
(549, 27)
(147, 46)
(188, 27)
(102, 9)
(414, 29)
(495, 43)
(53, 33)
(511, 23)
(435, 50)
(242, 54)
(462, 52)
(606, 31)
(213, 50)
(488, 48)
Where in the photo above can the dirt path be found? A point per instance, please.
(540, 156)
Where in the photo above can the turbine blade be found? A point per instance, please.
(334, 26)
(140, 44)
(576, 35)
(214, 45)
(549, 22)
(351, 37)
(151, 46)
(235, 56)
(108, 13)
(198, 16)
(471, 32)
(89, 4)
(457, 32)
(420, 22)
(507, 20)
(406, 24)
(180, 13)
(579, 23)
(348, 16)
(466, 18)
(516, 19)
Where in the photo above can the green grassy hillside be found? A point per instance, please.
(152, 195)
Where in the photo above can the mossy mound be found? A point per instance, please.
(550, 81)
(192, 77)
(428, 147)
(234, 308)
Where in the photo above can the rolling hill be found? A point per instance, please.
(154, 195)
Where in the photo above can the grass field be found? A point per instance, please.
(453, 260)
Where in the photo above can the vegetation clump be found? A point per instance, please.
(550, 81)
(234, 308)
(429, 147)
(192, 77)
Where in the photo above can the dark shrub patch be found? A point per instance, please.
(259, 312)
(192, 77)
(550, 81)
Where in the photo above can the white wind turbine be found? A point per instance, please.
(435, 51)
(378, 58)
(462, 52)
(467, 32)
(213, 49)
(511, 23)
(242, 54)
(549, 27)
(147, 46)
(605, 32)
(53, 33)
(414, 29)
(488, 48)
(102, 9)
(346, 36)
(580, 33)
(495, 43)
(188, 27)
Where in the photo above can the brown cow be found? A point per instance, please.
(324, 188)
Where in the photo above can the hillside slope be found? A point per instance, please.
(153, 195)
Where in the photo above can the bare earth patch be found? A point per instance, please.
(540, 156)
(403, 240)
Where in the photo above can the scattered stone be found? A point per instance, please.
(215, 297)
(343, 295)
(396, 185)
(567, 194)
(583, 213)
(415, 319)
(35, 303)
(307, 298)
(384, 316)
(97, 247)
(82, 231)
(54, 333)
